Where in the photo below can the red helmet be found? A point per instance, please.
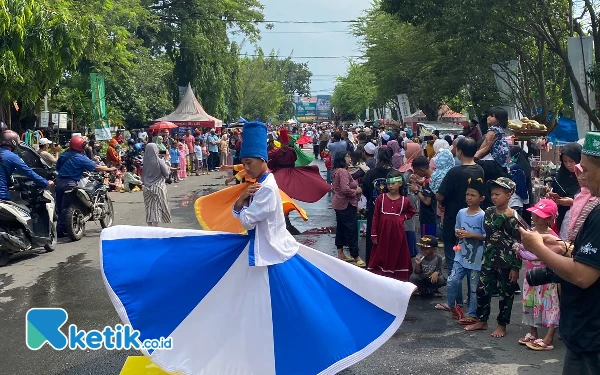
(77, 143)
(10, 138)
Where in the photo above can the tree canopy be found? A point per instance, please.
(145, 49)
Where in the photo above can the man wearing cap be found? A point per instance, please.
(580, 274)
(369, 155)
(46, 156)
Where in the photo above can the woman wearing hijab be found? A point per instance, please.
(397, 159)
(413, 150)
(159, 143)
(565, 184)
(224, 149)
(438, 145)
(154, 174)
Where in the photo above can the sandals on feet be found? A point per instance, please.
(527, 339)
(467, 321)
(442, 307)
(360, 263)
(539, 345)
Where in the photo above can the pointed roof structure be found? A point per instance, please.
(190, 113)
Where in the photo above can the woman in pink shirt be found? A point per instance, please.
(345, 203)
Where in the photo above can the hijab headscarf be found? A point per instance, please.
(412, 151)
(440, 144)
(154, 169)
(565, 183)
(159, 143)
(397, 159)
(444, 161)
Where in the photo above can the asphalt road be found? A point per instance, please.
(428, 342)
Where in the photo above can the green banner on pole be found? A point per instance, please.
(101, 125)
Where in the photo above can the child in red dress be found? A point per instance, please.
(390, 255)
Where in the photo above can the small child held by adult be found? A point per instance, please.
(427, 275)
(469, 251)
(540, 302)
(500, 264)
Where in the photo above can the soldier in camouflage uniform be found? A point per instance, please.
(501, 265)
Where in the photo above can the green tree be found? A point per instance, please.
(195, 35)
(355, 92)
(263, 93)
(38, 41)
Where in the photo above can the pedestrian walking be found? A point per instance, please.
(154, 174)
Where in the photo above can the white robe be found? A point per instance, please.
(264, 220)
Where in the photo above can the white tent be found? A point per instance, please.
(190, 113)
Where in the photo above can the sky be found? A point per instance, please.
(285, 38)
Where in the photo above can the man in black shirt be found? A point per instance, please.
(451, 196)
(580, 285)
(427, 215)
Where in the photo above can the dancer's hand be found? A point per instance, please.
(374, 240)
(513, 276)
(251, 190)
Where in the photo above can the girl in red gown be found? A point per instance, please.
(390, 255)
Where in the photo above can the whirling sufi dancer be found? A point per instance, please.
(247, 304)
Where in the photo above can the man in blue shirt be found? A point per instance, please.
(70, 166)
(213, 148)
(11, 161)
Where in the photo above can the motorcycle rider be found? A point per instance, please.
(9, 161)
(70, 166)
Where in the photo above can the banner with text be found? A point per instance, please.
(101, 124)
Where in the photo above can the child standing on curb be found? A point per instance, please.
(500, 266)
(469, 252)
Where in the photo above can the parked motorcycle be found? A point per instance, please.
(88, 202)
(30, 225)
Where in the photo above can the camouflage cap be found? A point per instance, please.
(591, 145)
(504, 182)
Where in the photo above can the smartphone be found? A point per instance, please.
(522, 221)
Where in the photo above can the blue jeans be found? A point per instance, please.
(454, 287)
(449, 255)
(329, 176)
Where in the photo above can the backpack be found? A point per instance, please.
(379, 187)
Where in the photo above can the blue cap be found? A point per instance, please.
(254, 141)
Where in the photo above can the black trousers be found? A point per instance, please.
(316, 151)
(346, 233)
(581, 363)
(62, 201)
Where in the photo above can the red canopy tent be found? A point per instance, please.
(190, 113)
